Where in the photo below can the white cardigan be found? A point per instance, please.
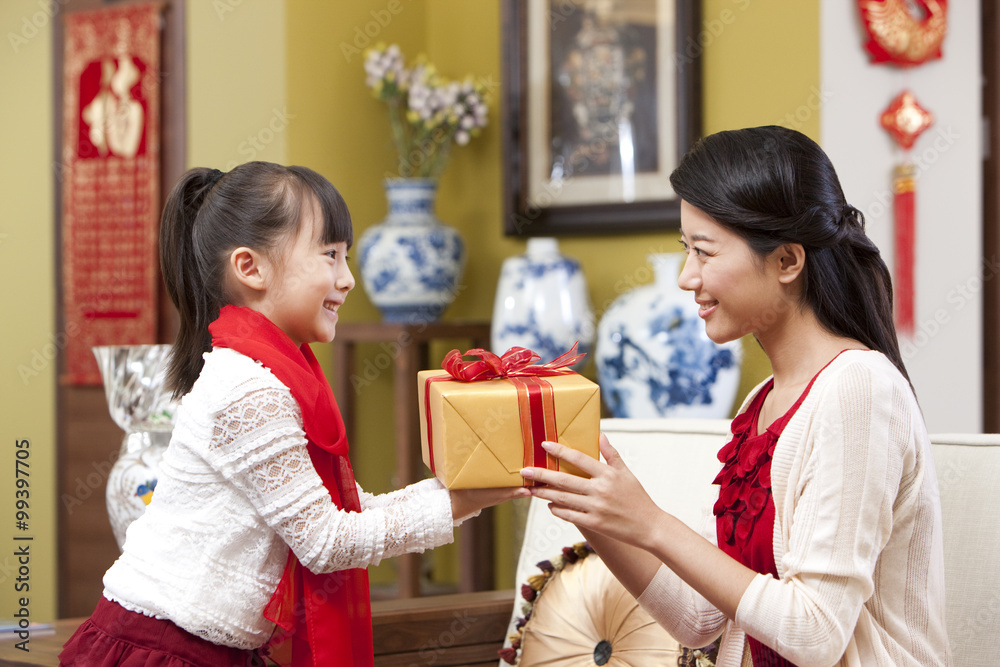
(857, 535)
(237, 489)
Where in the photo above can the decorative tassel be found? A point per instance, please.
(903, 188)
(509, 655)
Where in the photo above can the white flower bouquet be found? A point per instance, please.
(427, 112)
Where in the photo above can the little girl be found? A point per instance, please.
(257, 521)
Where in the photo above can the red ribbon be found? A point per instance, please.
(515, 362)
(536, 402)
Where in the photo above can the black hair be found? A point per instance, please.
(772, 186)
(207, 215)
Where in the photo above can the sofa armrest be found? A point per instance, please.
(442, 630)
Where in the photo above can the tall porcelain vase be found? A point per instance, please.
(654, 358)
(542, 303)
(134, 378)
(411, 262)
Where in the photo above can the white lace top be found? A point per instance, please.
(236, 489)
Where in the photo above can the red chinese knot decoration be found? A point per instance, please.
(905, 120)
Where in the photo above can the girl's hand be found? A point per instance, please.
(612, 502)
(469, 501)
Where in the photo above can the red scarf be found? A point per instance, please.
(327, 616)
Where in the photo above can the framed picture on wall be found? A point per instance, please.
(602, 97)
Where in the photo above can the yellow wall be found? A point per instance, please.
(761, 64)
(27, 273)
(272, 80)
(236, 92)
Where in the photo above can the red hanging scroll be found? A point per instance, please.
(110, 182)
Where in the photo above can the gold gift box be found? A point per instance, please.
(476, 427)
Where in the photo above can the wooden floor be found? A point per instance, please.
(464, 629)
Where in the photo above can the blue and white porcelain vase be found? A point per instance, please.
(654, 358)
(542, 303)
(411, 262)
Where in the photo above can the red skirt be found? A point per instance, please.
(116, 637)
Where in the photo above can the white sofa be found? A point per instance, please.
(676, 461)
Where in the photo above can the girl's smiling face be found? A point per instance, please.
(306, 291)
(738, 292)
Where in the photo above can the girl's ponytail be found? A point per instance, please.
(184, 277)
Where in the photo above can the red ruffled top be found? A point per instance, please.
(745, 509)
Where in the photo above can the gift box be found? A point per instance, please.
(482, 421)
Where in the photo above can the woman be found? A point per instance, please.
(828, 547)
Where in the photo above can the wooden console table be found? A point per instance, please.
(409, 346)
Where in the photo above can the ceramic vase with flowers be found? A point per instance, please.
(411, 263)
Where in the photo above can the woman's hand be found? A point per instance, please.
(465, 502)
(612, 502)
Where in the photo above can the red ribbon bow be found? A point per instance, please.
(536, 402)
(515, 362)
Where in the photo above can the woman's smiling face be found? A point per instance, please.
(738, 292)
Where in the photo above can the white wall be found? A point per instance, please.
(944, 355)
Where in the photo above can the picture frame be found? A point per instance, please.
(601, 100)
